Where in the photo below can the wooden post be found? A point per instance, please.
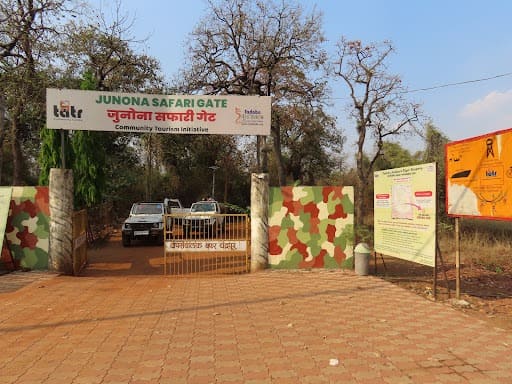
(259, 221)
(436, 233)
(61, 221)
(457, 258)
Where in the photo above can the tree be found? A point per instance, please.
(50, 155)
(100, 57)
(27, 29)
(187, 159)
(312, 142)
(105, 51)
(435, 142)
(377, 106)
(393, 155)
(257, 48)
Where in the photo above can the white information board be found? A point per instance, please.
(405, 213)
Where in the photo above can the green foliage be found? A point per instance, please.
(124, 174)
(311, 142)
(186, 160)
(88, 168)
(50, 155)
(89, 82)
(393, 155)
(89, 162)
(435, 142)
(232, 208)
(364, 233)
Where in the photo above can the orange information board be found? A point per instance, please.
(479, 176)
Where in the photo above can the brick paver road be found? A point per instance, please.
(267, 327)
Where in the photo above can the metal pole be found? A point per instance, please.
(213, 185)
(434, 283)
(457, 258)
(63, 149)
(213, 168)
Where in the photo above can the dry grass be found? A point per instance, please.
(483, 243)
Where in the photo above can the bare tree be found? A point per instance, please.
(377, 106)
(261, 48)
(107, 50)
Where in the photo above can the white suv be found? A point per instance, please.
(205, 216)
(146, 222)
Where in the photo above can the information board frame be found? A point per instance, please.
(72, 109)
(478, 176)
(405, 213)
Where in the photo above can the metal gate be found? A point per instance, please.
(206, 244)
(79, 240)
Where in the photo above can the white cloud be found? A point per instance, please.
(488, 114)
(494, 102)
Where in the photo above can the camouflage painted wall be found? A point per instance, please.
(28, 227)
(311, 227)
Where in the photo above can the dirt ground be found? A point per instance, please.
(484, 293)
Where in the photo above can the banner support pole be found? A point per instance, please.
(457, 258)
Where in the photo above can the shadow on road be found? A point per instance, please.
(112, 259)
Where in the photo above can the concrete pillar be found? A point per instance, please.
(259, 221)
(61, 221)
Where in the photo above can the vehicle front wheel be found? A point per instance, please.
(126, 241)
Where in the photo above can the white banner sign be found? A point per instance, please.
(72, 109)
(405, 213)
(205, 246)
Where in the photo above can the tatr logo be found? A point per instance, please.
(66, 110)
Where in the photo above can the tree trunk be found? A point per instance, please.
(361, 184)
(226, 185)
(17, 159)
(359, 204)
(258, 153)
(2, 137)
(276, 139)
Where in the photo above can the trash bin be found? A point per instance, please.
(362, 254)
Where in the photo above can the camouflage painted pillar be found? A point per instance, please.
(259, 221)
(61, 221)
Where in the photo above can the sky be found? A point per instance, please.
(437, 43)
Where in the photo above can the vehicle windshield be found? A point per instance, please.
(203, 207)
(147, 209)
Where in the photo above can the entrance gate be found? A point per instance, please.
(213, 244)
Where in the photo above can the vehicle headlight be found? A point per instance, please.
(127, 226)
(158, 225)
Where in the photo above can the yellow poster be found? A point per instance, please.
(405, 213)
(479, 176)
